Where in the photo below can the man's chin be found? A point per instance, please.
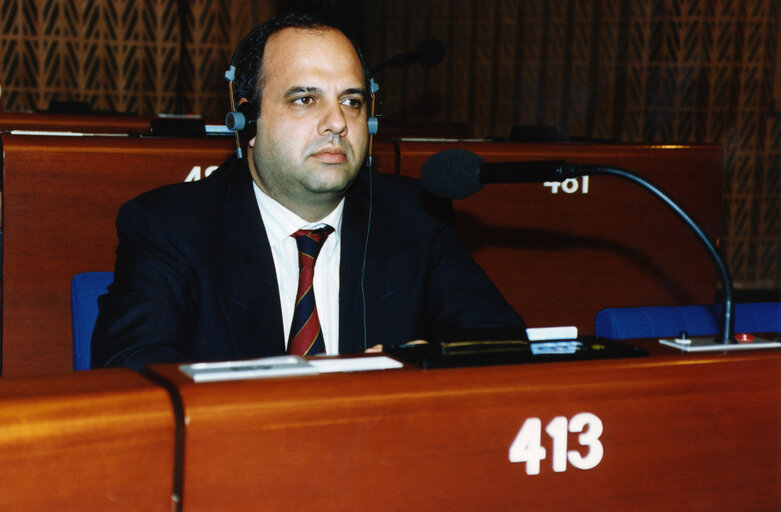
(333, 178)
(334, 189)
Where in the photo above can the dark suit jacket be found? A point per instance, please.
(194, 278)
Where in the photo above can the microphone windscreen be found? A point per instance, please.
(453, 173)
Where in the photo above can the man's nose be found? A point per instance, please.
(333, 119)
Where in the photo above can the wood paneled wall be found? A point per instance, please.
(659, 71)
(144, 57)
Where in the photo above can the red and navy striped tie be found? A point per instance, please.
(306, 337)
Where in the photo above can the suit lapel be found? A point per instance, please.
(247, 283)
(353, 235)
(377, 269)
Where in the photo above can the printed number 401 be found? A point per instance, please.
(527, 446)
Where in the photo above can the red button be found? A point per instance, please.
(744, 337)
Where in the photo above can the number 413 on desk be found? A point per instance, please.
(527, 446)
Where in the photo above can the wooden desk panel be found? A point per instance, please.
(572, 255)
(101, 440)
(80, 123)
(61, 197)
(560, 257)
(681, 432)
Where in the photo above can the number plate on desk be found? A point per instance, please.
(527, 445)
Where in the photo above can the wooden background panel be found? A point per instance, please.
(54, 230)
(643, 71)
(561, 257)
(143, 57)
(660, 71)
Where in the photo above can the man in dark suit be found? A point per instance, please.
(209, 270)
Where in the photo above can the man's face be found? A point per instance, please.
(312, 134)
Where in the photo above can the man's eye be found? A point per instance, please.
(353, 102)
(304, 100)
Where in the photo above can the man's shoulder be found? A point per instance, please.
(396, 183)
(405, 196)
(191, 194)
(189, 208)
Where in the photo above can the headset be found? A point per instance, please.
(242, 119)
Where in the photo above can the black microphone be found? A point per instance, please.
(458, 173)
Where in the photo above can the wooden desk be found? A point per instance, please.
(681, 432)
(100, 440)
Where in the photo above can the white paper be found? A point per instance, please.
(249, 369)
(355, 364)
(552, 333)
(283, 366)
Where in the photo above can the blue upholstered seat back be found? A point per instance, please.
(665, 321)
(85, 290)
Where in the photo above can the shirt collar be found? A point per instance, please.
(280, 222)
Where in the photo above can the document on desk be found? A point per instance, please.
(283, 366)
(355, 364)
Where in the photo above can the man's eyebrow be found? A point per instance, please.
(299, 89)
(355, 90)
(302, 89)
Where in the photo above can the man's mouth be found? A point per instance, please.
(331, 155)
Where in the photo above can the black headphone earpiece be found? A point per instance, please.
(236, 120)
(242, 121)
(374, 123)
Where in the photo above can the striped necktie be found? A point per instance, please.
(306, 337)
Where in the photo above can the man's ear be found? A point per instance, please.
(251, 142)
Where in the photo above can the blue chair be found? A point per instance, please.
(85, 290)
(668, 321)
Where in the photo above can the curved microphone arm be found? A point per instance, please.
(457, 173)
(728, 320)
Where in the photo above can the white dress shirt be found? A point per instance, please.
(280, 223)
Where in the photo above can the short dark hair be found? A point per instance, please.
(248, 59)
